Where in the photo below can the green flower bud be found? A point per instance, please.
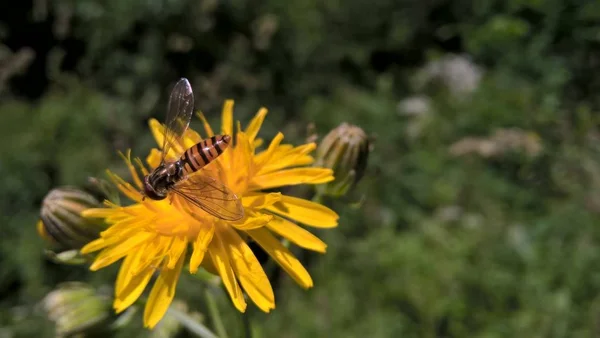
(77, 308)
(68, 257)
(345, 150)
(61, 223)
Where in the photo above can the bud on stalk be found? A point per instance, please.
(77, 308)
(61, 223)
(345, 150)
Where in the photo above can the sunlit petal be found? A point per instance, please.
(291, 177)
(132, 171)
(94, 245)
(286, 156)
(227, 118)
(129, 286)
(162, 294)
(269, 153)
(113, 254)
(158, 132)
(175, 251)
(221, 262)
(97, 212)
(296, 234)
(252, 220)
(255, 124)
(207, 129)
(204, 237)
(153, 158)
(282, 256)
(125, 274)
(257, 200)
(132, 291)
(249, 271)
(306, 212)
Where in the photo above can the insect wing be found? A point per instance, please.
(179, 114)
(211, 196)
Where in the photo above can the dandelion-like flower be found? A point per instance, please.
(154, 235)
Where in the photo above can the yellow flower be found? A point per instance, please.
(154, 235)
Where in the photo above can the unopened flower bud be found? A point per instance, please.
(77, 308)
(345, 150)
(61, 223)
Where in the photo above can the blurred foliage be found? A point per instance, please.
(446, 243)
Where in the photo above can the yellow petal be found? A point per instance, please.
(41, 230)
(291, 177)
(252, 220)
(259, 200)
(221, 262)
(125, 187)
(154, 254)
(207, 128)
(175, 147)
(243, 152)
(175, 251)
(153, 158)
(141, 166)
(287, 156)
(255, 124)
(162, 294)
(282, 256)
(286, 162)
(132, 291)
(125, 274)
(306, 212)
(132, 171)
(265, 156)
(94, 245)
(156, 129)
(296, 234)
(124, 225)
(114, 253)
(190, 138)
(204, 237)
(129, 286)
(236, 159)
(98, 212)
(277, 149)
(227, 118)
(248, 270)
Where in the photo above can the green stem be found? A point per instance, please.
(191, 324)
(247, 326)
(214, 314)
(318, 198)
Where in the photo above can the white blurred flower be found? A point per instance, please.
(457, 72)
(414, 106)
(498, 144)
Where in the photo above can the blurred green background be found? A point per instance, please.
(481, 200)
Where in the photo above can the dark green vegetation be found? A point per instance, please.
(449, 242)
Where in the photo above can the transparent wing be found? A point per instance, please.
(179, 114)
(211, 196)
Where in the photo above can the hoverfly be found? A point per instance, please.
(183, 176)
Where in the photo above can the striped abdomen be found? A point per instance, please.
(203, 153)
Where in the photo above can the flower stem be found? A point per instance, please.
(214, 314)
(190, 323)
(318, 198)
(247, 326)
